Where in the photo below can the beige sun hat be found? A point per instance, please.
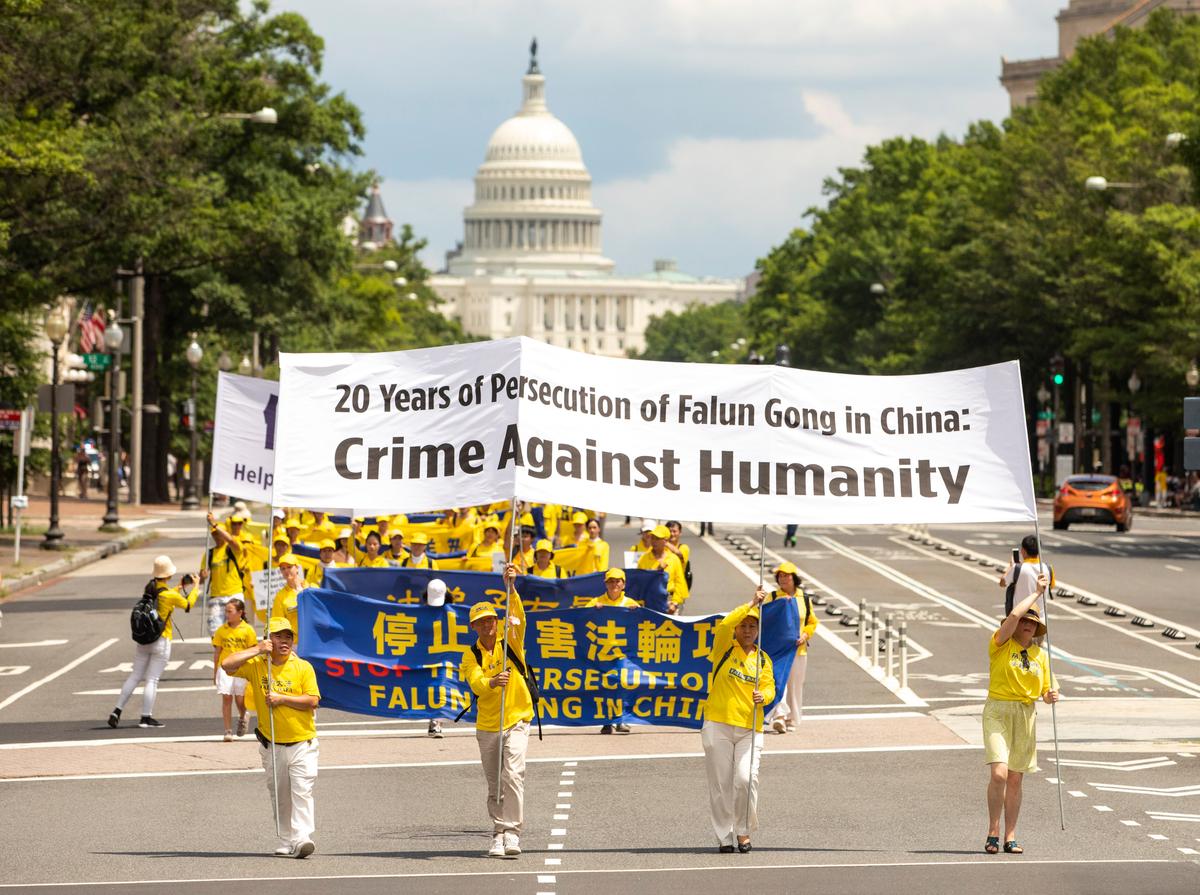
(163, 567)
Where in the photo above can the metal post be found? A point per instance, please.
(1062, 817)
(874, 636)
(112, 518)
(887, 634)
(138, 298)
(22, 450)
(270, 682)
(53, 539)
(903, 655)
(508, 591)
(755, 725)
(862, 629)
(191, 500)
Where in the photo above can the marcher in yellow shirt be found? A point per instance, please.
(481, 670)
(1018, 675)
(646, 540)
(286, 599)
(232, 637)
(395, 552)
(370, 558)
(614, 593)
(579, 532)
(285, 690)
(682, 551)
(599, 547)
(658, 557)
(543, 566)
(740, 685)
(150, 659)
(418, 553)
(490, 543)
(228, 564)
(790, 707)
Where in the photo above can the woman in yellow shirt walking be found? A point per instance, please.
(1018, 675)
(791, 706)
(232, 637)
(732, 731)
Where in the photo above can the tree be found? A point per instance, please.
(701, 334)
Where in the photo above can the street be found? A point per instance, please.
(882, 785)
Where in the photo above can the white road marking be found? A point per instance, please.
(33, 644)
(1102, 808)
(74, 663)
(570, 764)
(1170, 792)
(555, 846)
(13, 670)
(738, 868)
(1159, 836)
(561, 817)
(546, 879)
(1134, 764)
(1131, 823)
(568, 773)
(553, 862)
(1174, 568)
(1077, 794)
(116, 691)
(558, 831)
(565, 795)
(1174, 815)
(563, 806)
(1189, 851)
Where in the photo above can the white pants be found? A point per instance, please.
(507, 816)
(296, 770)
(149, 661)
(791, 705)
(732, 779)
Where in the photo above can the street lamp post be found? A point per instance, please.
(1192, 376)
(113, 335)
(56, 331)
(190, 499)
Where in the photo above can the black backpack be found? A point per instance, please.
(530, 682)
(145, 624)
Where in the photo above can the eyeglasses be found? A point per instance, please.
(1025, 659)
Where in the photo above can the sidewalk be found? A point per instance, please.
(83, 542)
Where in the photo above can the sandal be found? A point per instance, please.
(992, 845)
(1012, 848)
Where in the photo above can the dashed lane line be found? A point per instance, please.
(74, 663)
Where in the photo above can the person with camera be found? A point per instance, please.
(150, 658)
(1018, 675)
(285, 691)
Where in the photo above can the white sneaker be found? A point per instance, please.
(284, 851)
(779, 725)
(497, 849)
(304, 849)
(512, 845)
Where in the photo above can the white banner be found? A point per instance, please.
(467, 424)
(243, 462)
(266, 587)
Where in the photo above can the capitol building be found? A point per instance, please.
(531, 260)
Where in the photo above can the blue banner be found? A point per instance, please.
(593, 666)
(398, 585)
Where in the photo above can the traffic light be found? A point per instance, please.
(1191, 442)
(1057, 364)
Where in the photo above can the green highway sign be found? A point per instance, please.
(97, 361)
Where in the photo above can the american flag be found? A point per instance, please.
(91, 327)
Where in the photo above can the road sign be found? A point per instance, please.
(97, 361)
(1066, 433)
(10, 420)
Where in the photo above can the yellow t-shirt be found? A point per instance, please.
(808, 624)
(621, 602)
(1008, 678)
(379, 562)
(677, 589)
(731, 688)
(424, 562)
(285, 606)
(233, 640)
(170, 599)
(518, 704)
(226, 582)
(294, 677)
(551, 571)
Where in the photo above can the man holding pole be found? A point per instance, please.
(287, 732)
(505, 708)
(1019, 674)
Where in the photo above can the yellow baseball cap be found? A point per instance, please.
(291, 522)
(579, 518)
(491, 522)
(614, 573)
(787, 567)
(544, 544)
(327, 545)
(754, 613)
(660, 531)
(419, 537)
(482, 610)
(279, 623)
(527, 520)
(288, 559)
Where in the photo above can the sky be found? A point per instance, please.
(708, 126)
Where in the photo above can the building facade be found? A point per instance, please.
(1080, 19)
(531, 259)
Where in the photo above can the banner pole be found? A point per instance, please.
(508, 590)
(270, 684)
(208, 568)
(755, 727)
(1062, 817)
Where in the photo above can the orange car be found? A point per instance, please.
(1092, 498)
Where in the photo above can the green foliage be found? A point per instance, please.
(701, 334)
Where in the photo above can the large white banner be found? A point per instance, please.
(243, 463)
(465, 424)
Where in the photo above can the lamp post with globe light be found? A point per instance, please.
(113, 336)
(190, 499)
(1192, 376)
(56, 330)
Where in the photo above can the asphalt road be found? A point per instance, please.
(881, 787)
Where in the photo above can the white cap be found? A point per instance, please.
(649, 524)
(435, 592)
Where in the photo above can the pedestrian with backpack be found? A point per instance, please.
(503, 741)
(150, 624)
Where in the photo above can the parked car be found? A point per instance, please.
(1092, 498)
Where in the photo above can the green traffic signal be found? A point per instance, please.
(1058, 378)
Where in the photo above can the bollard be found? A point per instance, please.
(903, 655)
(862, 629)
(874, 636)
(887, 633)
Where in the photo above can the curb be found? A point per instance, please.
(83, 558)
